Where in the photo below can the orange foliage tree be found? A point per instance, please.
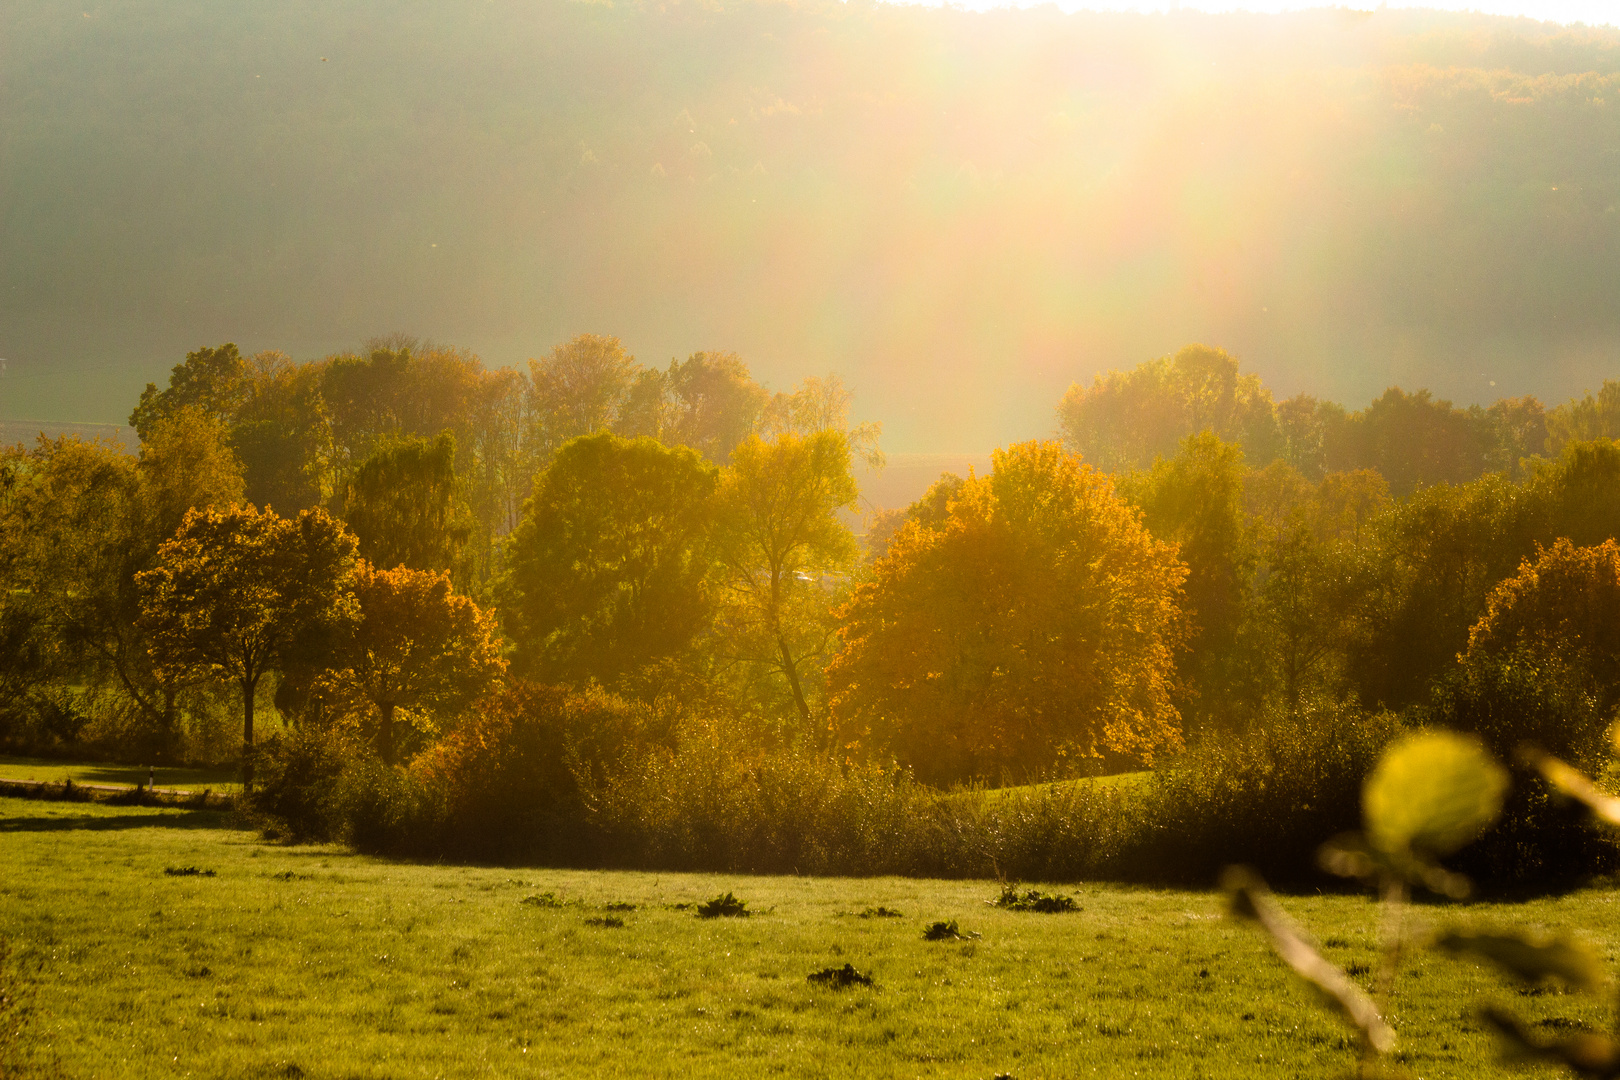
(1034, 630)
(416, 648)
(238, 591)
(1564, 604)
(1542, 664)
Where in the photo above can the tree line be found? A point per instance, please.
(382, 544)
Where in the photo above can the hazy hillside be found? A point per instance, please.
(960, 212)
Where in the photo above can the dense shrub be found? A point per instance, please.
(1268, 799)
(297, 774)
(508, 782)
(544, 775)
(709, 804)
(1526, 697)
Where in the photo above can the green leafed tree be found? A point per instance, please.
(609, 565)
(1585, 418)
(1195, 500)
(403, 505)
(237, 592)
(78, 522)
(283, 435)
(211, 380)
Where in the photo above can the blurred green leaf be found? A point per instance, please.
(1430, 794)
(1251, 900)
(1349, 855)
(1529, 959)
(1585, 1053)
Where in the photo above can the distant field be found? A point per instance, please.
(88, 772)
(312, 962)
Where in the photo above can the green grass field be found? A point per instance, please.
(313, 962)
(222, 780)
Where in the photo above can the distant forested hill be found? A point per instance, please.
(961, 213)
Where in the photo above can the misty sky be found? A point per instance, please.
(960, 215)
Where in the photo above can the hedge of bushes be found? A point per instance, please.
(546, 776)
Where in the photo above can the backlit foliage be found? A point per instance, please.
(415, 651)
(1036, 628)
(609, 565)
(237, 592)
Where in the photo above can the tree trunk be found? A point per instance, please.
(169, 725)
(792, 670)
(250, 688)
(385, 734)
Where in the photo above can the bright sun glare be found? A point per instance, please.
(1590, 12)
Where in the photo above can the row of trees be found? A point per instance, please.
(1044, 618)
(1350, 555)
(411, 442)
(640, 564)
(1128, 419)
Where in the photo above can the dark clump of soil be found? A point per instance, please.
(880, 912)
(187, 871)
(840, 978)
(605, 920)
(945, 931)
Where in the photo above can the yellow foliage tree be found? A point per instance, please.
(1032, 631)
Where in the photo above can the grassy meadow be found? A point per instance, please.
(315, 962)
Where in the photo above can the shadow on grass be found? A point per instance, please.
(189, 819)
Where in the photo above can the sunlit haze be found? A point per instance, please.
(1590, 12)
(959, 213)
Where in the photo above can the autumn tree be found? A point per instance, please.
(237, 591)
(185, 462)
(403, 505)
(416, 651)
(822, 404)
(1562, 607)
(1034, 632)
(579, 389)
(608, 566)
(1541, 663)
(782, 548)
